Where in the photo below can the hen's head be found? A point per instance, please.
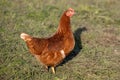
(70, 12)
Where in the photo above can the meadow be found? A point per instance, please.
(96, 27)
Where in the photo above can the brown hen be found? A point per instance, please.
(52, 51)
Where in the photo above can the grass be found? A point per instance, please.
(96, 28)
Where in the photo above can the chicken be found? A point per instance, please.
(52, 51)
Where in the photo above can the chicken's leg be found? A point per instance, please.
(47, 68)
(53, 70)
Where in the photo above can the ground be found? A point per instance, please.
(96, 27)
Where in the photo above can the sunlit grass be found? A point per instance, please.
(97, 60)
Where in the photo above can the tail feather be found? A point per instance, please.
(25, 37)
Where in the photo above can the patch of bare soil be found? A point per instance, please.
(109, 37)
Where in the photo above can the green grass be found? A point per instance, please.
(96, 26)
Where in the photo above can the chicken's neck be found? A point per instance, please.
(64, 25)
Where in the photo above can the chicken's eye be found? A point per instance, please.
(70, 12)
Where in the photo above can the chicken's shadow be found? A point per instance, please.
(78, 45)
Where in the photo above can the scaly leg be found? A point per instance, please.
(47, 68)
(53, 70)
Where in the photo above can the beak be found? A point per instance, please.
(74, 13)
